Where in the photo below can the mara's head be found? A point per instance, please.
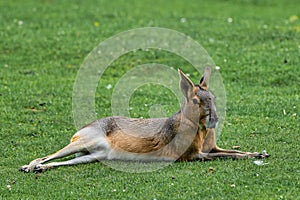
(199, 105)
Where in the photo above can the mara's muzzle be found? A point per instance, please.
(208, 102)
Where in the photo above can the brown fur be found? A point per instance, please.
(134, 144)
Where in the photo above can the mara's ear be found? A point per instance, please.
(186, 85)
(205, 78)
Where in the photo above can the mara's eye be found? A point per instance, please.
(195, 101)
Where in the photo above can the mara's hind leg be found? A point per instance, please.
(78, 160)
(70, 149)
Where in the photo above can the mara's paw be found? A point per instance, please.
(262, 155)
(25, 168)
(40, 169)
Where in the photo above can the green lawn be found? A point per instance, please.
(255, 42)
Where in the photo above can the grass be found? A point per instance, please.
(43, 44)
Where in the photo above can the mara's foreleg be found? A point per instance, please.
(233, 155)
(210, 150)
(72, 148)
(218, 152)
